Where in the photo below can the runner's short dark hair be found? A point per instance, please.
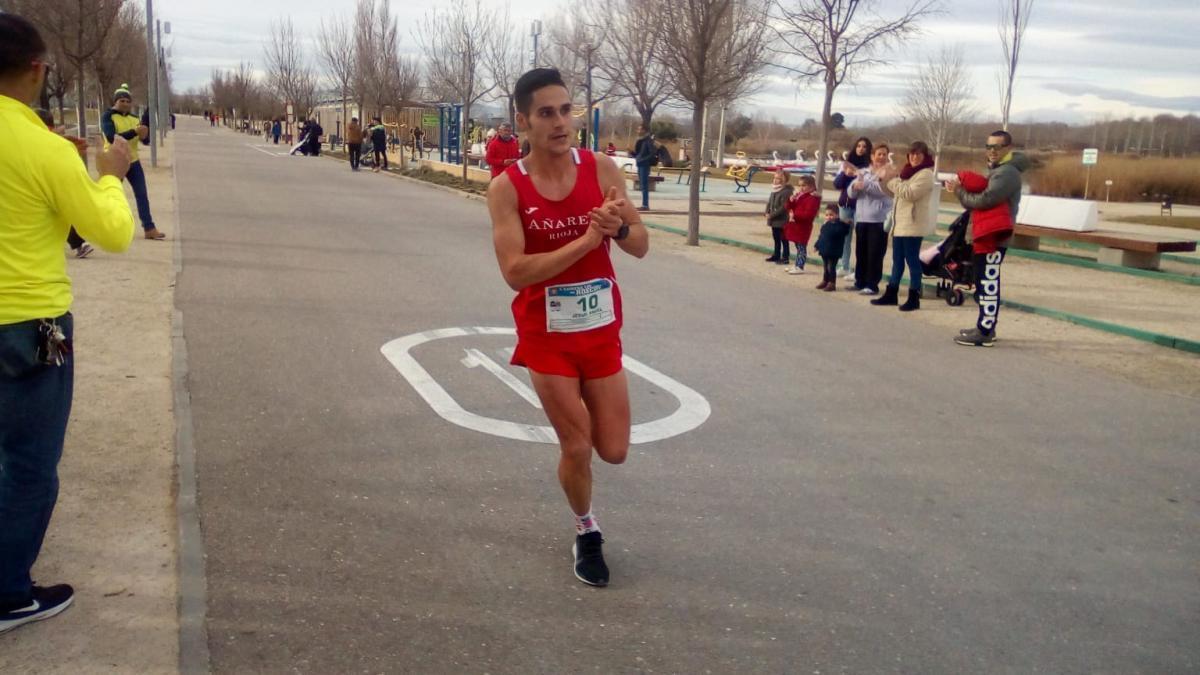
(530, 82)
(20, 44)
(1003, 134)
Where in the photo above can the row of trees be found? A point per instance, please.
(94, 45)
(690, 54)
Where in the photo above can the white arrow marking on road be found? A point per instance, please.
(475, 358)
(692, 412)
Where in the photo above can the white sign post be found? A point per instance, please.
(1090, 157)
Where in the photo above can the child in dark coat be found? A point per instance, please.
(829, 245)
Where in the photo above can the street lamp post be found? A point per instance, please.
(535, 31)
(151, 82)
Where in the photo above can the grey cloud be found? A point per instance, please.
(1181, 103)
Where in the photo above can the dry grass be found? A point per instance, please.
(1185, 222)
(1134, 179)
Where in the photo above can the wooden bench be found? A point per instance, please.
(1116, 248)
(681, 171)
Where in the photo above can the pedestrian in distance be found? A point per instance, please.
(276, 130)
(911, 223)
(555, 217)
(1005, 167)
(777, 216)
(354, 141)
(78, 245)
(418, 139)
(645, 156)
(871, 209)
(503, 150)
(829, 245)
(803, 207)
(119, 121)
(43, 188)
(379, 144)
(857, 158)
(314, 138)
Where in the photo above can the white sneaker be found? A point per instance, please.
(849, 277)
(795, 270)
(867, 291)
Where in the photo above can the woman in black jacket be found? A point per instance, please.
(777, 215)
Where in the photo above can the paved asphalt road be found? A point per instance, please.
(865, 497)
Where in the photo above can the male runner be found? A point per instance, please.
(552, 226)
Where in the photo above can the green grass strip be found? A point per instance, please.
(1160, 339)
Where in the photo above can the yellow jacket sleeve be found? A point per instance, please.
(914, 189)
(97, 209)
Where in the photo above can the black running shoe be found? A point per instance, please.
(975, 338)
(589, 561)
(45, 603)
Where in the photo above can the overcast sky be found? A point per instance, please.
(1084, 59)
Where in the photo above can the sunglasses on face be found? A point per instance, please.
(993, 146)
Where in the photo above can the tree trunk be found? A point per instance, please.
(826, 121)
(693, 236)
(345, 113)
(81, 111)
(647, 115)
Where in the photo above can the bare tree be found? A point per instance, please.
(630, 53)
(1014, 18)
(122, 59)
(335, 44)
(830, 40)
(714, 51)
(79, 29)
(455, 42)
(940, 95)
(288, 74)
(506, 60)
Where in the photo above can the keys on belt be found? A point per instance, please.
(53, 345)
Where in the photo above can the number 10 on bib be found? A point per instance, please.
(571, 308)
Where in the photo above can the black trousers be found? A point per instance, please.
(380, 154)
(870, 246)
(987, 288)
(830, 269)
(74, 240)
(355, 154)
(783, 248)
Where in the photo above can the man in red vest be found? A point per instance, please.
(503, 150)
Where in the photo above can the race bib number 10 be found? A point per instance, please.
(571, 308)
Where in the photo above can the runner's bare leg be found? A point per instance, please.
(562, 400)
(607, 401)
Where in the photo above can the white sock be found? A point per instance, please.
(586, 523)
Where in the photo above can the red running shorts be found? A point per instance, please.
(587, 363)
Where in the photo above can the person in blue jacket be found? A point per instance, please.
(119, 121)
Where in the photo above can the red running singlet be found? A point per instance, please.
(578, 311)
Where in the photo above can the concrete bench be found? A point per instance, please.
(1075, 220)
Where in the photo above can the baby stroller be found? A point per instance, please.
(951, 263)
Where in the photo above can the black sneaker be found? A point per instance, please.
(971, 331)
(45, 603)
(975, 338)
(589, 561)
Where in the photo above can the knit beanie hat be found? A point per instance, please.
(122, 92)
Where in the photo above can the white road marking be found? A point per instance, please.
(693, 409)
(476, 358)
(265, 151)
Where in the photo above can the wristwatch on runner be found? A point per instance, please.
(622, 232)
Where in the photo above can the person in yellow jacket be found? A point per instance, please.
(119, 121)
(44, 189)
